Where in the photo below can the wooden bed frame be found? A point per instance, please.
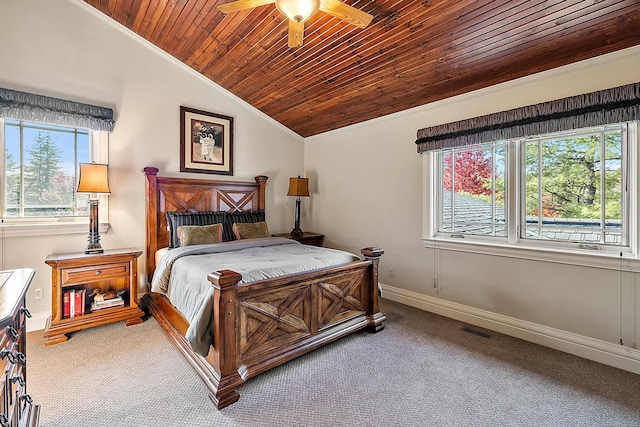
(257, 325)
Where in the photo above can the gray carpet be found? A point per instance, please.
(422, 370)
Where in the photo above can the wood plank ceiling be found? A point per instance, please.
(413, 53)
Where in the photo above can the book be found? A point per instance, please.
(65, 304)
(95, 306)
(79, 301)
(108, 301)
(72, 305)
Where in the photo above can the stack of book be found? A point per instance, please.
(73, 302)
(108, 303)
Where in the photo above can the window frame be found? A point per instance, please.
(36, 226)
(513, 245)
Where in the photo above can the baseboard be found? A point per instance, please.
(38, 321)
(589, 348)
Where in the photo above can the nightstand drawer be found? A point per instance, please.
(92, 273)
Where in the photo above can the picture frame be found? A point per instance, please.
(206, 142)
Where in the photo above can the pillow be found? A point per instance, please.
(240, 217)
(176, 219)
(251, 230)
(199, 234)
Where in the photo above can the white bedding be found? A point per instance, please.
(182, 273)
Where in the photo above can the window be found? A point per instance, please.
(566, 189)
(472, 190)
(40, 167)
(40, 170)
(573, 187)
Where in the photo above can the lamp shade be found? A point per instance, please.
(298, 10)
(298, 187)
(93, 178)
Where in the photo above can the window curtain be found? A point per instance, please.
(599, 108)
(44, 109)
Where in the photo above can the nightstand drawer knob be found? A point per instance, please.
(98, 272)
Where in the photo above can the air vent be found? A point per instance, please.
(474, 332)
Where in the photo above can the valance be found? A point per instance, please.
(599, 108)
(44, 109)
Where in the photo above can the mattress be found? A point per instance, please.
(182, 273)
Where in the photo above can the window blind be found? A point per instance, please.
(599, 108)
(44, 109)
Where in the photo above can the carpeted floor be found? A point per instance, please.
(422, 370)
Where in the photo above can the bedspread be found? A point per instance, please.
(182, 274)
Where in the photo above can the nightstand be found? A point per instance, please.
(113, 270)
(307, 238)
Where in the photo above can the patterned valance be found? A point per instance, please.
(603, 107)
(44, 109)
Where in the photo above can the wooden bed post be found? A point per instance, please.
(374, 317)
(152, 220)
(224, 331)
(261, 180)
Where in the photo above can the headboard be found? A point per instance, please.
(184, 194)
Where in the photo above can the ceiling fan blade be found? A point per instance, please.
(296, 33)
(345, 12)
(235, 6)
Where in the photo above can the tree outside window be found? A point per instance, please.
(41, 164)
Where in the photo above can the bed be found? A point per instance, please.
(259, 324)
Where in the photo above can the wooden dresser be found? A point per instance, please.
(16, 406)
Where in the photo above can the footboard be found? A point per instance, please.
(260, 325)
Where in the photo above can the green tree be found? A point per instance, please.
(571, 177)
(39, 172)
(13, 180)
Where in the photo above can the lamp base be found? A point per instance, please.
(297, 232)
(93, 247)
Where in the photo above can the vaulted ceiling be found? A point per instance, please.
(412, 53)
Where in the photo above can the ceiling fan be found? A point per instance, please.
(298, 11)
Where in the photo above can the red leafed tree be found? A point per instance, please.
(472, 172)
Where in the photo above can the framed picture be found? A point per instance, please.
(206, 142)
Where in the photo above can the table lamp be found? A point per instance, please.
(94, 180)
(298, 187)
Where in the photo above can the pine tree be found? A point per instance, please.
(13, 180)
(41, 169)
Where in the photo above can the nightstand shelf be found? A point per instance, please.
(307, 238)
(113, 270)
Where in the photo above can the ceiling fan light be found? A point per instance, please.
(298, 10)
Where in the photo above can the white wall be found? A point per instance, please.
(66, 49)
(368, 191)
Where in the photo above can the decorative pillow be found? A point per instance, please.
(251, 230)
(240, 217)
(199, 234)
(176, 219)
